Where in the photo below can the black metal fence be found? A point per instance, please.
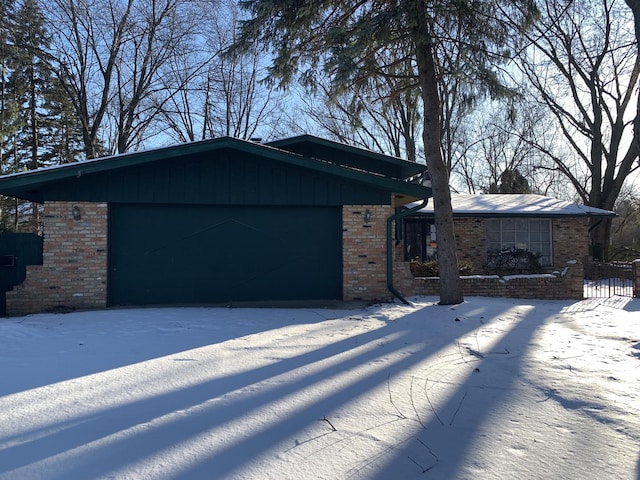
(608, 279)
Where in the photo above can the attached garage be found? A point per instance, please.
(217, 221)
(184, 254)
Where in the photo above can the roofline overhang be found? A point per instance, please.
(17, 185)
(412, 168)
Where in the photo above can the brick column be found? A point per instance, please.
(570, 238)
(635, 266)
(74, 270)
(364, 253)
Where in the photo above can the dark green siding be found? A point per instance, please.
(219, 177)
(17, 250)
(182, 254)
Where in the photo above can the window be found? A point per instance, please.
(419, 240)
(520, 235)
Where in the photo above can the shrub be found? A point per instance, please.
(513, 260)
(430, 268)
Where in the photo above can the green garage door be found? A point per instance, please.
(177, 254)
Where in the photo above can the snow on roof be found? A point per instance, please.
(517, 204)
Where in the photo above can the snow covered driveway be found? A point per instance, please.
(490, 389)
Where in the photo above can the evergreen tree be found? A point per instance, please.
(9, 118)
(29, 81)
(511, 181)
(350, 43)
(62, 127)
(9, 122)
(34, 112)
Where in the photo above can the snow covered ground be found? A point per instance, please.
(490, 389)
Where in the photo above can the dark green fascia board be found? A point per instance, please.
(407, 169)
(27, 185)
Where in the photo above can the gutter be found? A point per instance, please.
(396, 217)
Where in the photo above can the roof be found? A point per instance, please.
(487, 205)
(349, 155)
(28, 185)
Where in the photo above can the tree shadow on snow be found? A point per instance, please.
(126, 435)
(113, 452)
(66, 349)
(439, 434)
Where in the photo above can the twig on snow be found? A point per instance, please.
(400, 414)
(426, 393)
(475, 353)
(462, 356)
(506, 352)
(325, 419)
(414, 405)
(427, 447)
(458, 409)
(423, 468)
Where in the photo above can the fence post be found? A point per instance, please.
(635, 268)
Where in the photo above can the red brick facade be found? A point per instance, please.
(74, 273)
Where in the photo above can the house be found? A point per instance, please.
(556, 231)
(225, 221)
(501, 236)
(217, 221)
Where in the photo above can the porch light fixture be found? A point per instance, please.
(367, 216)
(76, 213)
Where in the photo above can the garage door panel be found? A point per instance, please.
(201, 254)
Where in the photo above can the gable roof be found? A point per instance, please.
(28, 185)
(488, 205)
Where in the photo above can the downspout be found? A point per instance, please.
(592, 227)
(396, 217)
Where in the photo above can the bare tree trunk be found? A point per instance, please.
(450, 284)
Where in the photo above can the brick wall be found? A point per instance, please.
(566, 283)
(570, 240)
(364, 252)
(364, 259)
(74, 269)
(564, 280)
(569, 237)
(471, 241)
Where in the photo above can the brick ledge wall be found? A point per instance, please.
(567, 284)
